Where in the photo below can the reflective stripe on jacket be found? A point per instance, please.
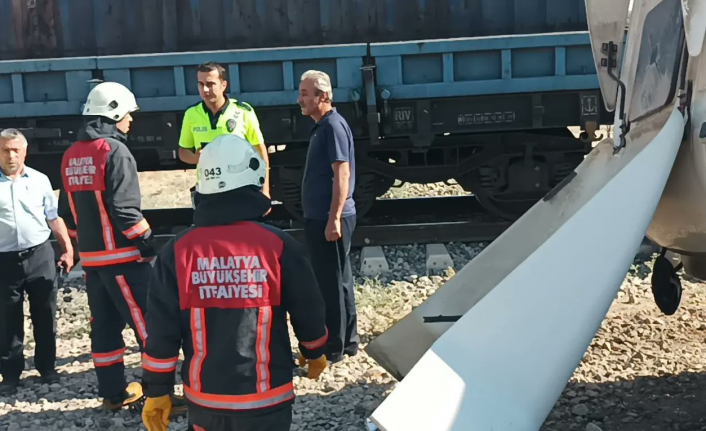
(100, 198)
(222, 293)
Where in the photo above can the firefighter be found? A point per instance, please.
(221, 290)
(101, 203)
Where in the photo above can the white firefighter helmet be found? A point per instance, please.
(110, 100)
(227, 163)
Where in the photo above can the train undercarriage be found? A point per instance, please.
(506, 172)
(508, 157)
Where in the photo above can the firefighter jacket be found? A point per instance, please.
(221, 291)
(100, 198)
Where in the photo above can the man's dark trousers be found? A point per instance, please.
(332, 266)
(30, 271)
(117, 294)
(270, 419)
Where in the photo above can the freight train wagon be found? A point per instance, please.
(478, 91)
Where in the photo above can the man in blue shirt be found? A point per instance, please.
(28, 214)
(329, 211)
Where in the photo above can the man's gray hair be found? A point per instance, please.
(322, 82)
(12, 134)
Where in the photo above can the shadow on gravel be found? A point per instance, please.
(74, 419)
(73, 403)
(86, 357)
(345, 409)
(666, 403)
(335, 406)
(72, 386)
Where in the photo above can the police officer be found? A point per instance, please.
(222, 290)
(217, 115)
(101, 200)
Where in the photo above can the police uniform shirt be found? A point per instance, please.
(201, 126)
(25, 206)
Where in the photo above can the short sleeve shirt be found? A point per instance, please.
(331, 141)
(25, 206)
(200, 126)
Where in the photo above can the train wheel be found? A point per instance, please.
(289, 182)
(509, 206)
(512, 185)
(368, 187)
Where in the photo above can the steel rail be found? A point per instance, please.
(390, 222)
(395, 234)
(420, 233)
(384, 211)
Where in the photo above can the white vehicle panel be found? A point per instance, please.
(606, 23)
(503, 365)
(694, 24)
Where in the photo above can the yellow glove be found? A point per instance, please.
(316, 367)
(155, 414)
(302, 360)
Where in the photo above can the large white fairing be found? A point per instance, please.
(606, 24)
(505, 362)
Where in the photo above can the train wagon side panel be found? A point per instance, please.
(73, 28)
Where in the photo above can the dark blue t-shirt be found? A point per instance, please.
(331, 140)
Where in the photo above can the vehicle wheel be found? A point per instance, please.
(666, 284)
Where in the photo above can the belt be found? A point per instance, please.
(21, 254)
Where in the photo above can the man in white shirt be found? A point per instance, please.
(28, 215)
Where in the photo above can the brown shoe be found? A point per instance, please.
(133, 394)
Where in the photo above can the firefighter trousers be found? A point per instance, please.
(276, 419)
(117, 294)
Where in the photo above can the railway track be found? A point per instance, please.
(389, 222)
(427, 209)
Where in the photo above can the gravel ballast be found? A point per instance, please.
(643, 370)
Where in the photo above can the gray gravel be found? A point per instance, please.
(341, 399)
(643, 371)
(412, 190)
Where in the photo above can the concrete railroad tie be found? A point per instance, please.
(374, 263)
